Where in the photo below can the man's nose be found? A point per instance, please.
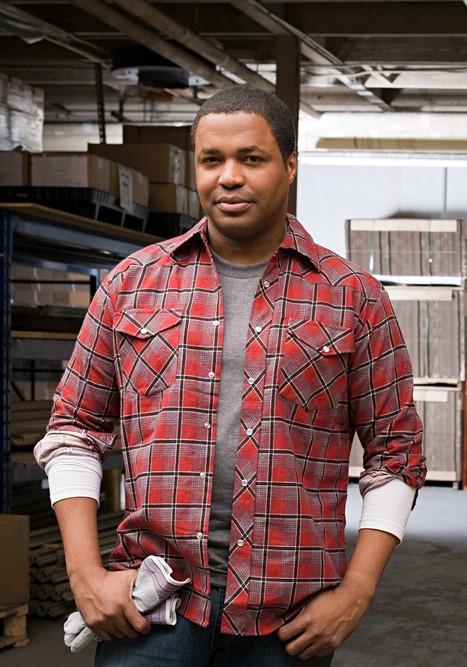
(231, 174)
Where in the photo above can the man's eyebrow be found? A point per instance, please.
(250, 149)
(210, 151)
(244, 149)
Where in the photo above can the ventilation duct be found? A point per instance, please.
(148, 69)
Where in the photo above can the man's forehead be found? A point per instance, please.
(219, 118)
(233, 126)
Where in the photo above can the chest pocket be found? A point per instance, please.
(314, 364)
(147, 343)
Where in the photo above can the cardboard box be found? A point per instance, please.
(441, 410)
(14, 168)
(21, 115)
(140, 187)
(160, 163)
(408, 246)
(433, 325)
(168, 198)
(158, 134)
(190, 174)
(14, 559)
(194, 208)
(74, 170)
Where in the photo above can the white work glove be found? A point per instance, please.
(154, 595)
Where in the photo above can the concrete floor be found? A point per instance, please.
(418, 619)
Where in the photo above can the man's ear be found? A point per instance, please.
(291, 166)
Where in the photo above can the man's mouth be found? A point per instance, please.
(233, 204)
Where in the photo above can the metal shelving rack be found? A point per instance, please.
(51, 238)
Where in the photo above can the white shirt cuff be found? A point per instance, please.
(388, 507)
(73, 477)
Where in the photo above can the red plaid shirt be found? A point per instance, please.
(324, 356)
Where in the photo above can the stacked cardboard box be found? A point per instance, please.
(423, 264)
(163, 165)
(432, 321)
(14, 168)
(177, 136)
(14, 560)
(34, 286)
(21, 115)
(83, 170)
(408, 246)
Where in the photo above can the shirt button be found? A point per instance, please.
(266, 283)
(144, 330)
(199, 536)
(202, 475)
(211, 375)
(215, 323)
(240, 543)
(258, 329)
(249, 431)
(326, 349)
(207, 425)
(244, 482)
(251, 380)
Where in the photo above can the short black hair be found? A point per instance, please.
(250, 99)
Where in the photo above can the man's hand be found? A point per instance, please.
(103, 598)
(324, 624)
(104, 601)
(332, 615)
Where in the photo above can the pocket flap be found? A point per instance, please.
(144, 323)
(324, 338)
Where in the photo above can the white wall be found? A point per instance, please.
(332, 188)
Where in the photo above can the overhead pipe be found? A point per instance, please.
(147, 38)
(157, 19)
(51, 33)
(312, 49)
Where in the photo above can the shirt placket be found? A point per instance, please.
(243, 507)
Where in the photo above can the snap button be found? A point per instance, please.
(215, 323)
(244, 482)
(207, 425)
(211, 374)
(326, 349)
(240, 543)
(199, 536)
(144, 330)
(251, 380)
(249, 431)
(258, 329)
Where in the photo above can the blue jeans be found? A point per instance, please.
(189, 645)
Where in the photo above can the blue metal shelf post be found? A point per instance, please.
(6, 241)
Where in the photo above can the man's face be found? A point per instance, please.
(242, 181)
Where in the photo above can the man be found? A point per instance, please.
(240, 359)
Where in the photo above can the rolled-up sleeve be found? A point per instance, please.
(381, 399)
(86, 401)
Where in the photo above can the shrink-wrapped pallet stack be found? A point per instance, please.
(423, 265)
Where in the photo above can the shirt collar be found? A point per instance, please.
(296, 239)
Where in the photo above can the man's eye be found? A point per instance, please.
(253, 159)
(210, 160)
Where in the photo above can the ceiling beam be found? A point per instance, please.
(399, 52)
(32, 29)
(150, 40)
(175, 30)
(311, 49)
(366, 19)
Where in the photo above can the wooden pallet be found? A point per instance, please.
(14, 626)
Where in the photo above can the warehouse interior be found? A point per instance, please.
(89, 93)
